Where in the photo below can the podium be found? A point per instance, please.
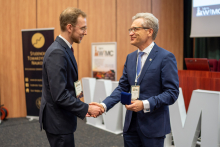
(190, 80)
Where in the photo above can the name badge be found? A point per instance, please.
(78, 89)
(135, 91)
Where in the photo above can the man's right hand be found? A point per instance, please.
(98, 104)
(94, 111)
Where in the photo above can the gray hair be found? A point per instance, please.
(150, 21)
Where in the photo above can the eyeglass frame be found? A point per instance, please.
(82, 28)
(134, 29)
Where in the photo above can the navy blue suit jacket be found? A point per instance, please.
(59, 105)
(159, 84)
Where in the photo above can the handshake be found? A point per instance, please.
(95, 109)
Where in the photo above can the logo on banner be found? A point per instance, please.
(96, 52)
(38, 102)
(101, 52)
(207, 10)
(38, 40)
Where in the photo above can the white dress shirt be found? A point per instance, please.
(146, 51)
(69, 45)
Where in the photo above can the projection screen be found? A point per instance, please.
(205, 18)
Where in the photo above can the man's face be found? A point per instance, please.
(139, 36)
(79, 30)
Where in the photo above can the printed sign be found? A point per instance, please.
(104, 63)
(35, 43)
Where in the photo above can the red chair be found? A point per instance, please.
(218, 69)
(213, 64)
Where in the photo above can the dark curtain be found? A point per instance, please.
(207, 47)
(187, 42)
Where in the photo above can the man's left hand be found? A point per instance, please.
(99, 105)
(135, 106)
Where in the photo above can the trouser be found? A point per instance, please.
(61, 140)
(135, 138)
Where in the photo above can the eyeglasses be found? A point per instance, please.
(83, 29)
(134, 29)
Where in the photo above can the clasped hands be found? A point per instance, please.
(96, 109)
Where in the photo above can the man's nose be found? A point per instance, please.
(131, 33)
(85, 32)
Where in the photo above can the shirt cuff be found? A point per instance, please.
(146, 106)
(103, 104)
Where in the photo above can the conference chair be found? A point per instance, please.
(218, 69)
(213, 64)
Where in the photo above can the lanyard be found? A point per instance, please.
(137, 76)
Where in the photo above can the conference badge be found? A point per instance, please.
(78, 89)
(135, 92)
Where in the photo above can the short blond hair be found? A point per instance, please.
(69, 16)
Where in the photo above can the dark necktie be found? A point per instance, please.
(72, 50)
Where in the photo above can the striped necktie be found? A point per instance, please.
(140, 54)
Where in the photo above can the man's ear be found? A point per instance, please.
(150, 32)
(69, 27)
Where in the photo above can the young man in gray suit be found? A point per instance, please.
(59, 105)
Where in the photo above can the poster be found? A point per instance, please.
(104, 60)
(35, 43)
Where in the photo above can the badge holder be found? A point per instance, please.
(135, 92)
(78, 89)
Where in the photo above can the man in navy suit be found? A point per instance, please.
(59, 106)
(154, 70)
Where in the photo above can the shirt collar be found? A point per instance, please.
(147, 49)
(70, 45)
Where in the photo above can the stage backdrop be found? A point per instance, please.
(35, 43)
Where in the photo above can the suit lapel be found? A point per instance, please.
(72, 59)
(69, 52)
(148, 62)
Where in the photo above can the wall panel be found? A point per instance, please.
(15, 15)
(1, 50)
(101, 22)
(170, 34)
(48, 13)
(126, 9)
(107, 20)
